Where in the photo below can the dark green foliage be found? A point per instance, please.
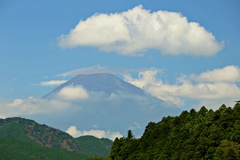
(12, 149)
(205, 134)
(94, 146)
(98, 158)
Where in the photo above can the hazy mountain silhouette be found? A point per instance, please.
(112, 104)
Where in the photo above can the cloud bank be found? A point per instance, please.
(211, 87)
(33, 106)
(73, 131)
(227, 74)
(137, 30)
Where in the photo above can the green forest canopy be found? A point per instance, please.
(205, 134)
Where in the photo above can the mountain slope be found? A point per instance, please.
(11, 148)
(30, 131)
(27, 139)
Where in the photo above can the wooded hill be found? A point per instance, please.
(206, 134)
(25, 139)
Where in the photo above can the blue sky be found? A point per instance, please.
(194, 63)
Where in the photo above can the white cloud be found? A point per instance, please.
(208, 86)
(145, 77)
(226, 74)
(73, 131)
(73, 93)
(32, 106)
(16, 103)
(53, 83)
(137, 30)
(196, 91)
(99, 69)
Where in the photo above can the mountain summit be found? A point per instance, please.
(105, 102)
(102, 82)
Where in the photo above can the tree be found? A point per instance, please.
(193, 112)
(222, 108)
(203, 111)
(130, 135)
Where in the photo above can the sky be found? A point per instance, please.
(185, 52)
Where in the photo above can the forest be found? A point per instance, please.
(203, 134)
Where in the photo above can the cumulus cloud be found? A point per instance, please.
(73, 131)
(208, 86)
(53, 83)
(137, 30)
(73, 93)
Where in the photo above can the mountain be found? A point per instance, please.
(102, 82)
(205, 134)
(104, 102)
(29, 139)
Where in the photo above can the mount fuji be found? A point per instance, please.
(104, 82)
(106, 102)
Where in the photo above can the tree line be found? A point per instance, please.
(205, 134)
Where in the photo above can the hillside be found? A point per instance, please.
(30, 131)
(12, 149)
(94, 146)
(30, 140)
(205, 134)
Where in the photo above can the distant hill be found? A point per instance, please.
(30, 131)
(24, 139)
(205, 134)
